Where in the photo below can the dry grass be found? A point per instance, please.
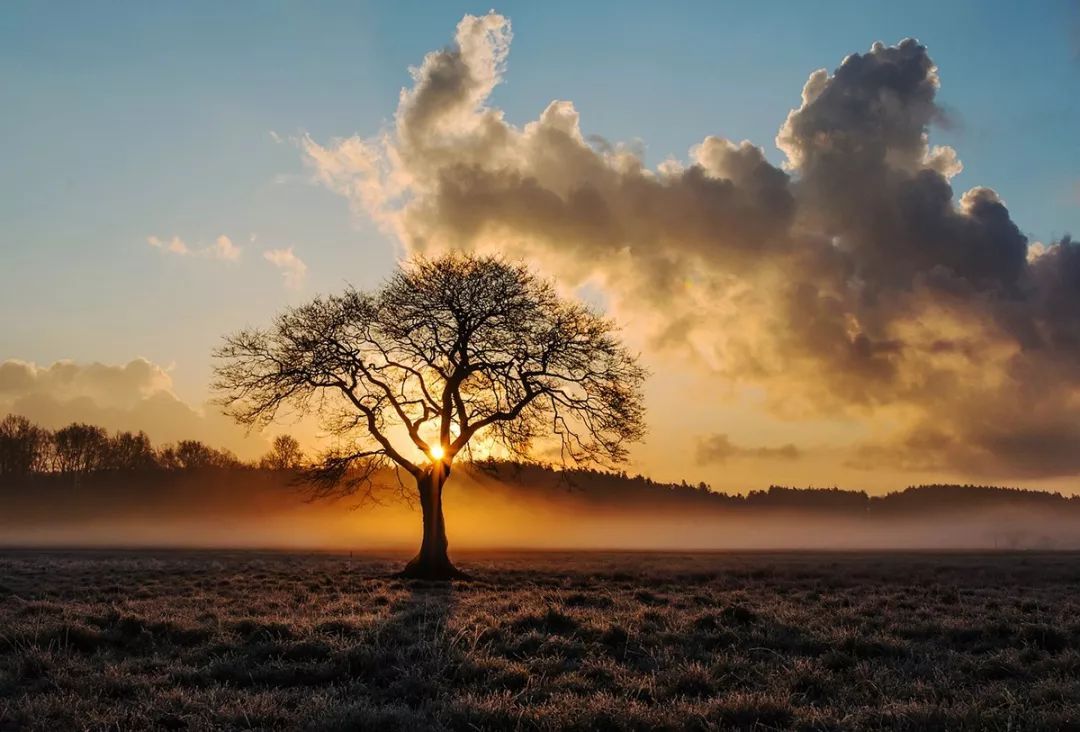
(213, 640)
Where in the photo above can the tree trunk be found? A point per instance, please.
(432, 562)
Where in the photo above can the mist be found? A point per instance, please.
(260, 509)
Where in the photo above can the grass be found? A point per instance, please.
(244, 640)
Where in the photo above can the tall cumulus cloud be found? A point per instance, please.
(851, 280)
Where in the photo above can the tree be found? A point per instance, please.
(450, 353)
(284, 455)
(23, 446)
(194, 455)
(80, 449)
(131, 452)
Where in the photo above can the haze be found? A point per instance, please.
(236, 509)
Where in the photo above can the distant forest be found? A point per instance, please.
(89, 455)
(603, 487)
(83, 449)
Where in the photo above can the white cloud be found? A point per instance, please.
(222, 248)
(293, 270)
(175, 245)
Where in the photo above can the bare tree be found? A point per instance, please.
(131, 452)
(23, 446)
(79, 449)
(285, 454)
(194, 455)
(449, 353)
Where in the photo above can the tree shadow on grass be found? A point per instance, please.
(406, 663)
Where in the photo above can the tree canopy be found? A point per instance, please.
(450, 353)
(448, 350)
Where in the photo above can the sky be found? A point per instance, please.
(172, 173)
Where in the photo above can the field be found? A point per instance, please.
(247, 640)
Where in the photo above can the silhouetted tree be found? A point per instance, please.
(79, 449)
(285, 454)
(168, 459)
(194, 455)
(23, 446)
(131, 452)
(451, 350)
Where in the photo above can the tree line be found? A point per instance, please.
(27, 449)
(603, 486)
(82, 449)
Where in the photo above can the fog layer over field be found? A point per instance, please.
(529, 511)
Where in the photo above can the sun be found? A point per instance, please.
(437, 452)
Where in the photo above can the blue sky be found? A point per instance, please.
(129, 120)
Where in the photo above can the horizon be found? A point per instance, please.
(162, 460)
(505, 506)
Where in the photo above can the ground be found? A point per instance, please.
(213, 640)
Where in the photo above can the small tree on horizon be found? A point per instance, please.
(129, 451)
(449, 352)
(285, 454)
(195, 455)
(80, 449)
(24, 447)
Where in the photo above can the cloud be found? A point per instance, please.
(133, 396)
(293, 270)
(222, 248)
(119, 386)
(851, 281)
(175, 245)
(719, 449)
